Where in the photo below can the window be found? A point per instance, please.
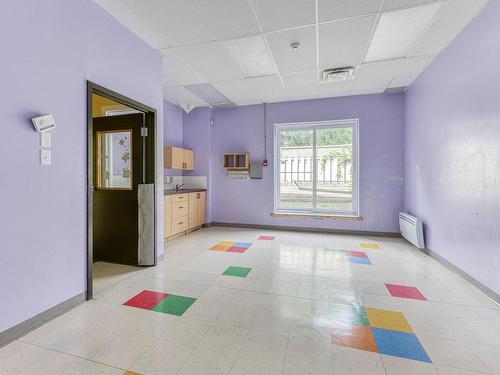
(114, 167)
(316, 168)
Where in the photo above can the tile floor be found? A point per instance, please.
(283, 303)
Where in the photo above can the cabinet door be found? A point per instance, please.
(167, 216)
(193, 210)
(173, 158)
(201, 207)
(189, 160)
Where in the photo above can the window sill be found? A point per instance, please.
(318, 216)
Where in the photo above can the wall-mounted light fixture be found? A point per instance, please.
(44, 123)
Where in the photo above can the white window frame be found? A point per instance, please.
(354, 123)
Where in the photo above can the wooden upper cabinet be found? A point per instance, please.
(178, 158)
(189, 160)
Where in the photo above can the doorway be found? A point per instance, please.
(121, 186)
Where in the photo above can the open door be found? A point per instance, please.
(121, 209)
(118, 170)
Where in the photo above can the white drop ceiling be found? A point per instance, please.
(242, 47)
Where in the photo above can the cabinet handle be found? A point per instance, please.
(181, 207)
(181, 222)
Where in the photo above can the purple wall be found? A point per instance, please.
(452, 150)
(52, 47)
(251, 201)
(172, 133)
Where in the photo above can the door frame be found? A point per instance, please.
(150, 117)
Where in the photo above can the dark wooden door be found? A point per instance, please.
(118, 168)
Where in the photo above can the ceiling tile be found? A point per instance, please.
(335, 10)
(367, 92)
(398, 31)
(344, 42)
(395, 4)
(251, 55)
(237, 91)
(251, 102)
(289, 60)
(179, 95)
(210, 60)
(209, 94)
(450, 20)
(331, 89)
(376, 75)
(292, 98)
(410, 69)
(283, 14)
(301, 84)
(177, 72)
(178, 22)
(267, 87)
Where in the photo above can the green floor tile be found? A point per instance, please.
(237, 271)
(174, 305)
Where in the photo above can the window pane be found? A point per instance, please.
(114, 167)
(296, 170)
(334, 169)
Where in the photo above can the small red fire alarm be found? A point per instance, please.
(264, 163)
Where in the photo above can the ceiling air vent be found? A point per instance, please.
(395, 90)
(344, 73)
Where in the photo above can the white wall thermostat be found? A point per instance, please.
(44, 123)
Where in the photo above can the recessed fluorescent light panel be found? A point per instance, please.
(210, 94)
(398, 31)
(251, 55)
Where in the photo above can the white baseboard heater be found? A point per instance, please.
(411, 229)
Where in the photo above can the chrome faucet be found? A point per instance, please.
(178, 187)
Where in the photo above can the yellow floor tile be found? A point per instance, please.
(225, 243)
(369, 245)
(386, 319)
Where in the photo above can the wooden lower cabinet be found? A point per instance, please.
(184, 213)
(167, 216)
(196, 209)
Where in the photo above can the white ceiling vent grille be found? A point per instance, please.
(345, 73)
(395, 90)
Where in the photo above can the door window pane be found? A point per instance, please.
(114, 163)
(296, 170)
(334, 171)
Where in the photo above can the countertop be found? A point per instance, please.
(182, 191)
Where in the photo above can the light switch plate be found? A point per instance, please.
(46, 139)
(45, 157)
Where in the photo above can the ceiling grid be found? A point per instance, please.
(242, 49)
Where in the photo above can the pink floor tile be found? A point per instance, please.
(267, 238)
(354, 253)
(405, 291)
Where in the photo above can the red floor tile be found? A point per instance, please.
(146, 300)
(236, 250)
(403, 291)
